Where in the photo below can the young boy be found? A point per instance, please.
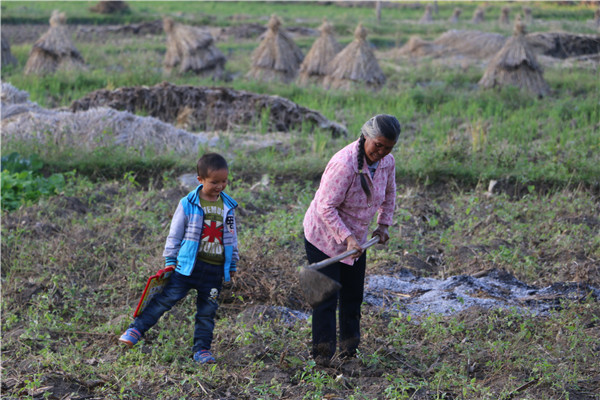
(202, 245)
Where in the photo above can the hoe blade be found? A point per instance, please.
(317, 286)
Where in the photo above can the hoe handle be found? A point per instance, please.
(340, 257)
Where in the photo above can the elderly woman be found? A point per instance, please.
(358, 182)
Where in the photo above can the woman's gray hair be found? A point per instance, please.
(382, 125)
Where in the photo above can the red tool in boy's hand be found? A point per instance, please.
(155, 285)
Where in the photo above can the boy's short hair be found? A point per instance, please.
(210, 162)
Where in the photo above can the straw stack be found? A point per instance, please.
(504, 16)
(277, 58)
(417, 47)
(516, 65)
(455, 15)
(314, 67)
(471, 43)
(54, 49)
(7, 57)
(478, 15)
(110, 7)
(528, 15)
(355, 64)
(191, 49)
(15, 101)
(428, 15)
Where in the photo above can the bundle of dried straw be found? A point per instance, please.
(504, 16)
(469, 43)
(277, 58)
(110, 7)
(15, 101)
(528, 15)
(417, 47)
(428, 15)
(478, 15)
(7, 57)
(455, 15)
(472, 43)
(355, 65)
(97, 127)
(192, 49)
(54, 50)
(314, 67)
(516, 65)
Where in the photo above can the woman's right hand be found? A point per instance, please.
(352, 244)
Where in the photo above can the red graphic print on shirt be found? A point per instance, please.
(211, 241)
(212, 232)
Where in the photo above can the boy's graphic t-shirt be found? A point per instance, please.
(211, 241)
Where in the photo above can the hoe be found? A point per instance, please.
(317, 286)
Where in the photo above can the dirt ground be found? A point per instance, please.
(268, 285)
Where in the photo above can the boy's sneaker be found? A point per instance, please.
(130, 337)
(204, 357)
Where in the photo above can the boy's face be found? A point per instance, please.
(214, 183)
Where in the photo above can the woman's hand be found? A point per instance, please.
(382, 232)
(353, 244)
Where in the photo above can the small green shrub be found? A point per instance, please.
(23, 183)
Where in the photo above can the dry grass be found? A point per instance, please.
(484, 45)
(504, 16)
(324, 49)
(468, 43)
(478, 15)
(110, 7)
(516, 65)
(98, 127)
(7, 57)
(471, 43)
(356, 64)
(54, 50)
(427, 15)
(455, 16)
(278, 57)
(191, 49)
(15, 101)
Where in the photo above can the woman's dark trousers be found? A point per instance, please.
(350, 298)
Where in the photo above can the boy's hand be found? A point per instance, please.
(229, 285)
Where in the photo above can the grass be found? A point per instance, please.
(548, 140)
(75, 261)
(66, 312)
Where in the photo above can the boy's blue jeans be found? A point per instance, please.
(207, 279)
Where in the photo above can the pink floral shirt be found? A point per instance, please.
(340, 207)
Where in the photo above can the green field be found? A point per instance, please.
(82, 230)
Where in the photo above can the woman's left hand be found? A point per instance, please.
(382, 232)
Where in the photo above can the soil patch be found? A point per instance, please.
(209, 108)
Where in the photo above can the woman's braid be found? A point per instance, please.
(361, 159)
